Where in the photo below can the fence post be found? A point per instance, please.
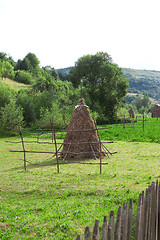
(110, 235)
(124, 121)
(138, 220)
(153, 209)
(130, 211)
(104, 229)
(87, 234)
(96, 230)
(117, 233)
(143, 122)
(78, 237)
(24, 152)
(159, 211)
(157, 196)
(124, 222)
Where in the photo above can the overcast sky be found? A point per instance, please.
(59, 32)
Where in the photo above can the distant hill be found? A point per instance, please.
(140, 81)
(143, 82)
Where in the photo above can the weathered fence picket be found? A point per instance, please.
(147, 221)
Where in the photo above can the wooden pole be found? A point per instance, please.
(124, 121)
(100, 147)
(24, 152)
(55, 148)
(51, 121)
(143, 122)
(81, 89)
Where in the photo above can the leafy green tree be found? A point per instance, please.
(6, 69)
(11, 115)
(6, 94)
(26, 101)
(51, 71)
(3, 56)
(105, 82)
(142, 103)
(29, 63)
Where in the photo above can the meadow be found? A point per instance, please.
(39, 203)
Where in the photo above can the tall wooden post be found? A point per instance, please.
(24, 152)
(81, 89)
(100, 146)
(56, 151)
(124, 121)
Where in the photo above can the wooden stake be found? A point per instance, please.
(81, 88)
(24, 152)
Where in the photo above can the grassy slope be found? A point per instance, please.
(14, 85)
(42, 204)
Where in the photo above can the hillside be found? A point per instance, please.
(143, 82)
(14, 85)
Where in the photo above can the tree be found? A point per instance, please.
(11, 115)
(51, 71)
(142, 103)
(29, 63)
(6, 94)
(105, 82)
(6, 69)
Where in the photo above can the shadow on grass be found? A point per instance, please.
(52, 162)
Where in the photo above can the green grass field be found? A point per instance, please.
(41, 204)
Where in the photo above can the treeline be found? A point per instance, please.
(53, 94)
(48, 97)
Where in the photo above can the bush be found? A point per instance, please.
(23, 77)
(11, 115)
(27, 103)
(6, 94)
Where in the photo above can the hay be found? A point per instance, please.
(81, 140)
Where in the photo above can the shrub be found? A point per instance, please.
(11, 114)
(23, 77)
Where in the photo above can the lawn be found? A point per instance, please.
(41, 204)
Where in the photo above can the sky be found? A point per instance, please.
(59, 32)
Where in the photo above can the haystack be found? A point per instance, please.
(81, 139)
(156, 111)
(131, 113)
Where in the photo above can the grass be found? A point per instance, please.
(14, 85)
(41, 204)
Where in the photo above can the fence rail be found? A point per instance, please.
(147, 221)
(56, 152)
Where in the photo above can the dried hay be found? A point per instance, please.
(81, 140)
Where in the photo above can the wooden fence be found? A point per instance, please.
(147, 221)
(56, 152)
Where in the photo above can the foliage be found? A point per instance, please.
(23, 77)
(143, 82)
(26, 102)
(142, 103)
(6, 94)
(51, 71)
(11, 114)
(104, 81)
(6, 69)
(30, 63)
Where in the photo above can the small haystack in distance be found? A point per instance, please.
(156, 111)
(131, 113)
(81, 139)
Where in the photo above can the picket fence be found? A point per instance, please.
(147, 221)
